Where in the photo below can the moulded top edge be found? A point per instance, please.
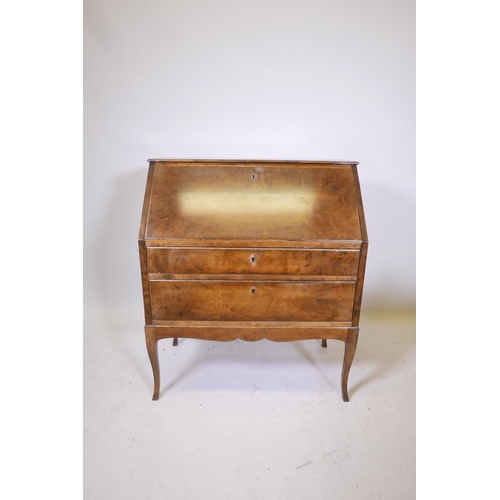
(185, 160)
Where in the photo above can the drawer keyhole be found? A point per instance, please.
(253, 291)
(252, 259)
(254, 176)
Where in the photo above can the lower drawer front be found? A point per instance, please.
(251, 301)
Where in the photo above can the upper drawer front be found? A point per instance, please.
(342, 263)
(177, 300)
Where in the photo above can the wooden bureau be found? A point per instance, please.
(247, 249)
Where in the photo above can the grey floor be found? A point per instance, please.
(245, 420)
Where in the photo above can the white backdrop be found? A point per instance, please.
(253, 79)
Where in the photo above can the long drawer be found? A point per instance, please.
(201, 300)
(339, 263)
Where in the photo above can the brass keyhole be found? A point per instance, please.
(253, 291)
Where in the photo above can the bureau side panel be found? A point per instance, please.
(251, 300)
(363, 251)
(145, 282)
(359, 202)
(146, 203)
(359, 284)
(143, 256)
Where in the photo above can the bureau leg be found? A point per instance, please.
(175, 341)
(350, 350)
(152, 345)
(323, 343)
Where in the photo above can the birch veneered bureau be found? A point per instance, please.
(252, 249)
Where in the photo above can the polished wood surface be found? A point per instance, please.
(251, 300)
(252, 250)
(282, 261)
(253, 204)
(250, 333)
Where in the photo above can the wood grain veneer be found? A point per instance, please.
(252, 249)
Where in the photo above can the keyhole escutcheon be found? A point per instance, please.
(253, 291)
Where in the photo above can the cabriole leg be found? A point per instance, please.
(152, 345)
(350, 350)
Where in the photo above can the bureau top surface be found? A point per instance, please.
(250, 202)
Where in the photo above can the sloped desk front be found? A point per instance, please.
(252, 250)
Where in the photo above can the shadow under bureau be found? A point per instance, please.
(252, 249)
